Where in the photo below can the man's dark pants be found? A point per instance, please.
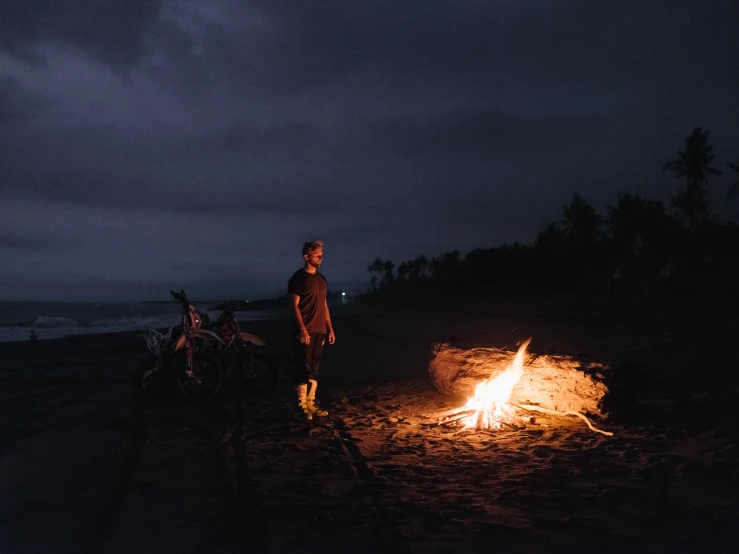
(308, 357)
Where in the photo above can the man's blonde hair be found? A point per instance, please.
(312, 245)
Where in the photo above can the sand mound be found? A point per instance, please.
(554, 382)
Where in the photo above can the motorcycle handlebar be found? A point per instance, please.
(182, 298)
(179, 296)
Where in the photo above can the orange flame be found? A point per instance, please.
(491, 396)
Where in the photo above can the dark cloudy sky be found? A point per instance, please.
(150, 144)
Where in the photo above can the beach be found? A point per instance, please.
(85, 468)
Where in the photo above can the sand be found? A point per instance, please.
(84, 468)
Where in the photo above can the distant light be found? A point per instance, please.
(343, 294)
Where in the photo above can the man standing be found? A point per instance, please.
(307, 291)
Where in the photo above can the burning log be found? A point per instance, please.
(555, 383)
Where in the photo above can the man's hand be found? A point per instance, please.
(304, 336)
(331, 337)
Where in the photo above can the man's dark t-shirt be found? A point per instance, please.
(312, 304)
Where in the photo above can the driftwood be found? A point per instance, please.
(558, 383)
(568, 412)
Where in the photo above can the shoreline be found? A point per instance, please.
(677, 349)
(89, 320)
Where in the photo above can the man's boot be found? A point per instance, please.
(302, 390)
(311, 399)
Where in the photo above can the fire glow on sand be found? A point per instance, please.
(488, 407)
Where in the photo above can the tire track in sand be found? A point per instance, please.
(371, 487)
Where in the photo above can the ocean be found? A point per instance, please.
(52, 320)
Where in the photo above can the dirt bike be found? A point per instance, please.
(238, 351)
(178, 365)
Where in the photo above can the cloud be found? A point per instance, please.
(16, 106)
(154, 137)
(27, 244)
(111, 32)
(153, 247)
(487, 131)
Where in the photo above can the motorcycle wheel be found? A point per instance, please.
(206, 383)
(258, 373)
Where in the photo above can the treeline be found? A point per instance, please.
(637, 252)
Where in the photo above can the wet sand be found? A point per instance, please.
(84, 468)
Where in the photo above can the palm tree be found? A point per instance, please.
(692, 202)
(388, 268)
(404, 270)
(550, 239)
(451, 259)
(633, 215)
(423, 264)
(373, 279)
(632, 221)
(693, 163)
(375, 267)
(580, 222)
(436, 267)
(414, 269)
(735, 187)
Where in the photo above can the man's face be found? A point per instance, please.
(315, 257)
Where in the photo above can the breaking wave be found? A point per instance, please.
(57, 326)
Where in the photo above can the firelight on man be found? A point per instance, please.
(308, 290)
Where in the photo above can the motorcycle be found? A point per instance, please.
(238, 350)
(176, 366)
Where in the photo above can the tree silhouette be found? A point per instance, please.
(404, 270)
(551, 239)
(373, 279)
(414, 269)
(423, 266)
(377, 266)
(638, 229)
(692, 202)
(580, 222)
(450, 260)
(657, 257)
(443, 266)
(388, 268)
(632, 217)
(693, 163)
(735, 187)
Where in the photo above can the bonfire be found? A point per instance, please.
(489, 406)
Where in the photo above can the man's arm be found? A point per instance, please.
(331, 335)
(304, 335)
